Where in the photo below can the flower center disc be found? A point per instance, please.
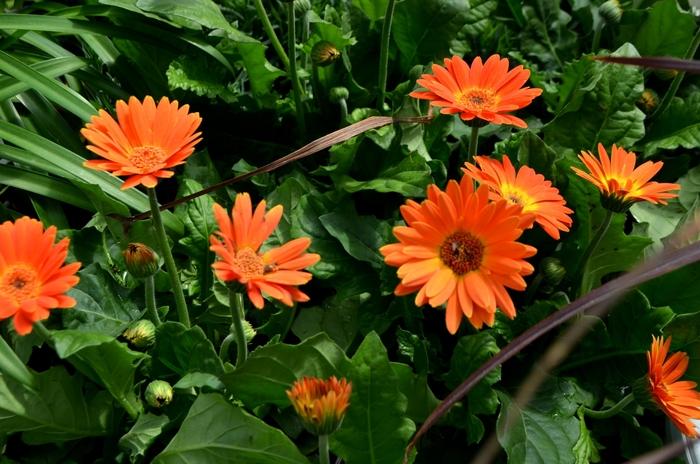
(147, 158)
(462, 252)
(477, 99)
(249, 263)
(19, 284)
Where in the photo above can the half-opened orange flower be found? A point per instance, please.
(146, 142)
(321, 404)
(460, 248)
(679, 400)
(276, 272)
(526, 188)
(33, 279)
(487, 91)
(620, 182)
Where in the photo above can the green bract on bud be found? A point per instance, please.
(140, 335)
(324, 53)
(665, 74)
(248, 331)
(159, 393)
(338, 93)
(302, 6)
(648, 101)
(141, 261)
(552, 271)
(642, 394)
(611, 11)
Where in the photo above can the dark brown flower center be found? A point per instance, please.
(462, 252)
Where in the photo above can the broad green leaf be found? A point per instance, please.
(666, 31)
(375, 429)
(548, 36)
(58, 409)
(102, 306)
(409, 178)
(201, 75)
(104, 360)
(657, 221)
(678, 126)
(533, 152)
(479, 17)
(202, 12)
(179, 350)
(270, 370)
(199, 380)
(338, 318)
(685, 333)
(421, 400)
(586, 449)
(359, 235)
(677, 289)
(261, 73)
(373, 9)
(215, 431)
(142, 434)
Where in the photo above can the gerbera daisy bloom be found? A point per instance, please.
(459, 248)
(677, 399)
(321, 404)
(33, 279)
(145, 143)
(485, 91)
(276, 272)
(620, 182)
(526, 188)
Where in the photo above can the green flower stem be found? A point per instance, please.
(384, 53)
(293, 74)
(238, 315)
(151, 310)
(43, 332)
(610, 412)
(223, 350)
(593, 246)
(162, 238)
(267, 25)
(13, 367)
(323, 456)
(473, 143)
(305, 32)
(533, 287)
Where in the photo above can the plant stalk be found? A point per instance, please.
(611, 411)
(238, 315)
(473, 143)
(150, 290)
(323, 455)
(593, 246)
(384, 53)
(180, 303)
(293, 74)
(267, 25)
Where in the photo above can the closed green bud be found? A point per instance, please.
(611, 11)
(141, 334)
(552, 271)
(324, 53)
(141, 261)
(648, 101)
(159, 393)
(302, 6)
(248, 331)
(338, 93)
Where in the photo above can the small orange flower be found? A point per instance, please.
(677, 399)
(459, 248)
(276, 272)
(147, 141)
(32, 276)
(535, 195)
(620, 182)
(485, 91)
(321, 404)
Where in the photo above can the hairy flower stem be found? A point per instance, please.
(150, 290)
(180, 303)
(267, 25)
(610, 412)
(593, 246)
(473, 143)
(293, 74)
(384, 53)
(238, 315)
(223, 350)
(13, 367)
(323, 456)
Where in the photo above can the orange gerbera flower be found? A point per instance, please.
(277, 271)
(147, 141)
(32, 276)
(535, 195)
(620, 182)
(321, 404)
(485, 91)
(677, 399)
(459, 248)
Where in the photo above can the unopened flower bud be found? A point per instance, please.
(140, 335)
(159, 393)
(324, 53)
(648, 101)
(665, 74)
(337, 94)
(321, 404)
(552, 271)
(141, 261)
(248, 331)
(302, 6)
(611, 11)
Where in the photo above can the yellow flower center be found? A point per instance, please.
(462, 252)
(249, 264)
(517, 196)
(147, 158)
(477, 99)
(19, 283)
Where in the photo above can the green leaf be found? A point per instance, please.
(143, 433)
(375, 429)
(359, 235)
(677, 289)
(421, 400)
(685, 333)
(180, 350)
(479, 17)
(42, 184)
(52, 68)
(373, 9)
(202, 12)
(586, 449)
(678, 126)
(199, 380)
(667, 31)
(201, 75)
(57, 410)
(409, 177)
(215, 431)
(104, 360)
(533, 152)
(270, 370)
(337, 317)
(261, 74)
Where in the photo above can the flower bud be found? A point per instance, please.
(248, 331)
(324, 53)
(140, 335)
(302, 6)
(552, 271)
(337, 94)
(159, 393)
(141, 261)
(665, 74)
(321, 404)
(611, 11)
(648, 101)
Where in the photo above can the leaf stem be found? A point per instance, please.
(323, 456)
(13, 367)
(150, 291)
(293, 74)
(593, 246)
(267, 25)
(611, 411)
(238, 315)
(384, 53)
(162, 238)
